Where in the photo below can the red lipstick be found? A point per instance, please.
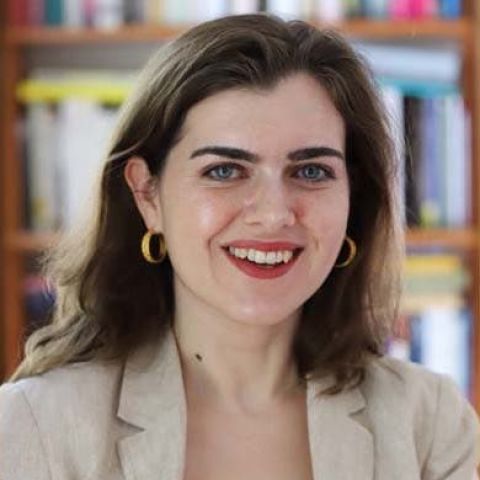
(263, 271)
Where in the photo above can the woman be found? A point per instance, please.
(223, 315)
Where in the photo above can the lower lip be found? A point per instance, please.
(256, 271)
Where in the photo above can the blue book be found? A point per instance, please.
(375, 8)
(430, 175)
(53, 13)
(451, 8)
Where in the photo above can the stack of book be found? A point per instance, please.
(432, 129)
(435, 325)
(114, 13)
(69, 118)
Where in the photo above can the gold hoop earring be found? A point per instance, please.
(353, 253)
(146, 250)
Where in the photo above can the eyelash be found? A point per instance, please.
(328, 173)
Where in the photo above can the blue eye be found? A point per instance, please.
(313, 173)
(224, 171)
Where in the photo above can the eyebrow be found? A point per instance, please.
(241, 154)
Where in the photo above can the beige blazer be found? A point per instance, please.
(107, 421)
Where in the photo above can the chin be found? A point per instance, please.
(264, 316)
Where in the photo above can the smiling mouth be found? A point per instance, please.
(267, 260)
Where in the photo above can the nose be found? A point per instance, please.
(271, 206)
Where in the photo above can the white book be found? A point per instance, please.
(393, 100)
(178, 11)
(85, 132)
(73, 13)
(413, 62)
(207, 10)
(238, 7)
(329, 10)
(457, 165)
(445, 344)
(41, 146)
(108, 14)
(287, 9)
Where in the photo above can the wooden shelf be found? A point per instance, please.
(31, 36)
(28, 242)
(452, 29)
(464, 239)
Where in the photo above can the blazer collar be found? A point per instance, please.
(341, 444)
(152, 399)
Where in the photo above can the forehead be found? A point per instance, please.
(297, 106)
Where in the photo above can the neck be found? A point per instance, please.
(234, 366)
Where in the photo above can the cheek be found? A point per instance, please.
(327, 213)
(194, 219)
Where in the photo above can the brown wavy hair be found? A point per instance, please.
(109, 300)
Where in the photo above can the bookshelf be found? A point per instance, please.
(17, 243)
(2, 207)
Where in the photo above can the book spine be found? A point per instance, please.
(73, 13)
(35, 12)
(285, 8)
(375, 8)
(399, 9)
(53, 15)
(107, 14)
(329, 10)
(17, 13)
(451, 9)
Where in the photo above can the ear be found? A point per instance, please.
(145, 192)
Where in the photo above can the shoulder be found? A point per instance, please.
(426, 406)
(72, 385)
(56, 424)
(389, 374)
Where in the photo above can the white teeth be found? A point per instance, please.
(271, 258)
(287, 256)
(261, 257)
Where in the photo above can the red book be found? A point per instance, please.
(17, 12)
(35, 12)
(423, 8)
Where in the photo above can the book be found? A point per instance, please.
(393, 100)
(451, 9)
(69, 117)
(238, 7)
(329, 10)
(41, 162)
(399, 9)
(74, 15)
(53, 14)
(107, 14)
(375, 8)
(440, 340)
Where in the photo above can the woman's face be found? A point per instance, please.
(259, 174)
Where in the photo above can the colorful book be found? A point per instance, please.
(451, 8)
(375, 8)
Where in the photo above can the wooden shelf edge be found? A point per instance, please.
(30, 36)
(459, 29)
(28, 242)
(467, 239)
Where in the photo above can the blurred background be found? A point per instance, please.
(66, 66)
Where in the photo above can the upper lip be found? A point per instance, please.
(264, 246)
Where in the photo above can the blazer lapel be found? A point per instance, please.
(340, 444)
(152, 399)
